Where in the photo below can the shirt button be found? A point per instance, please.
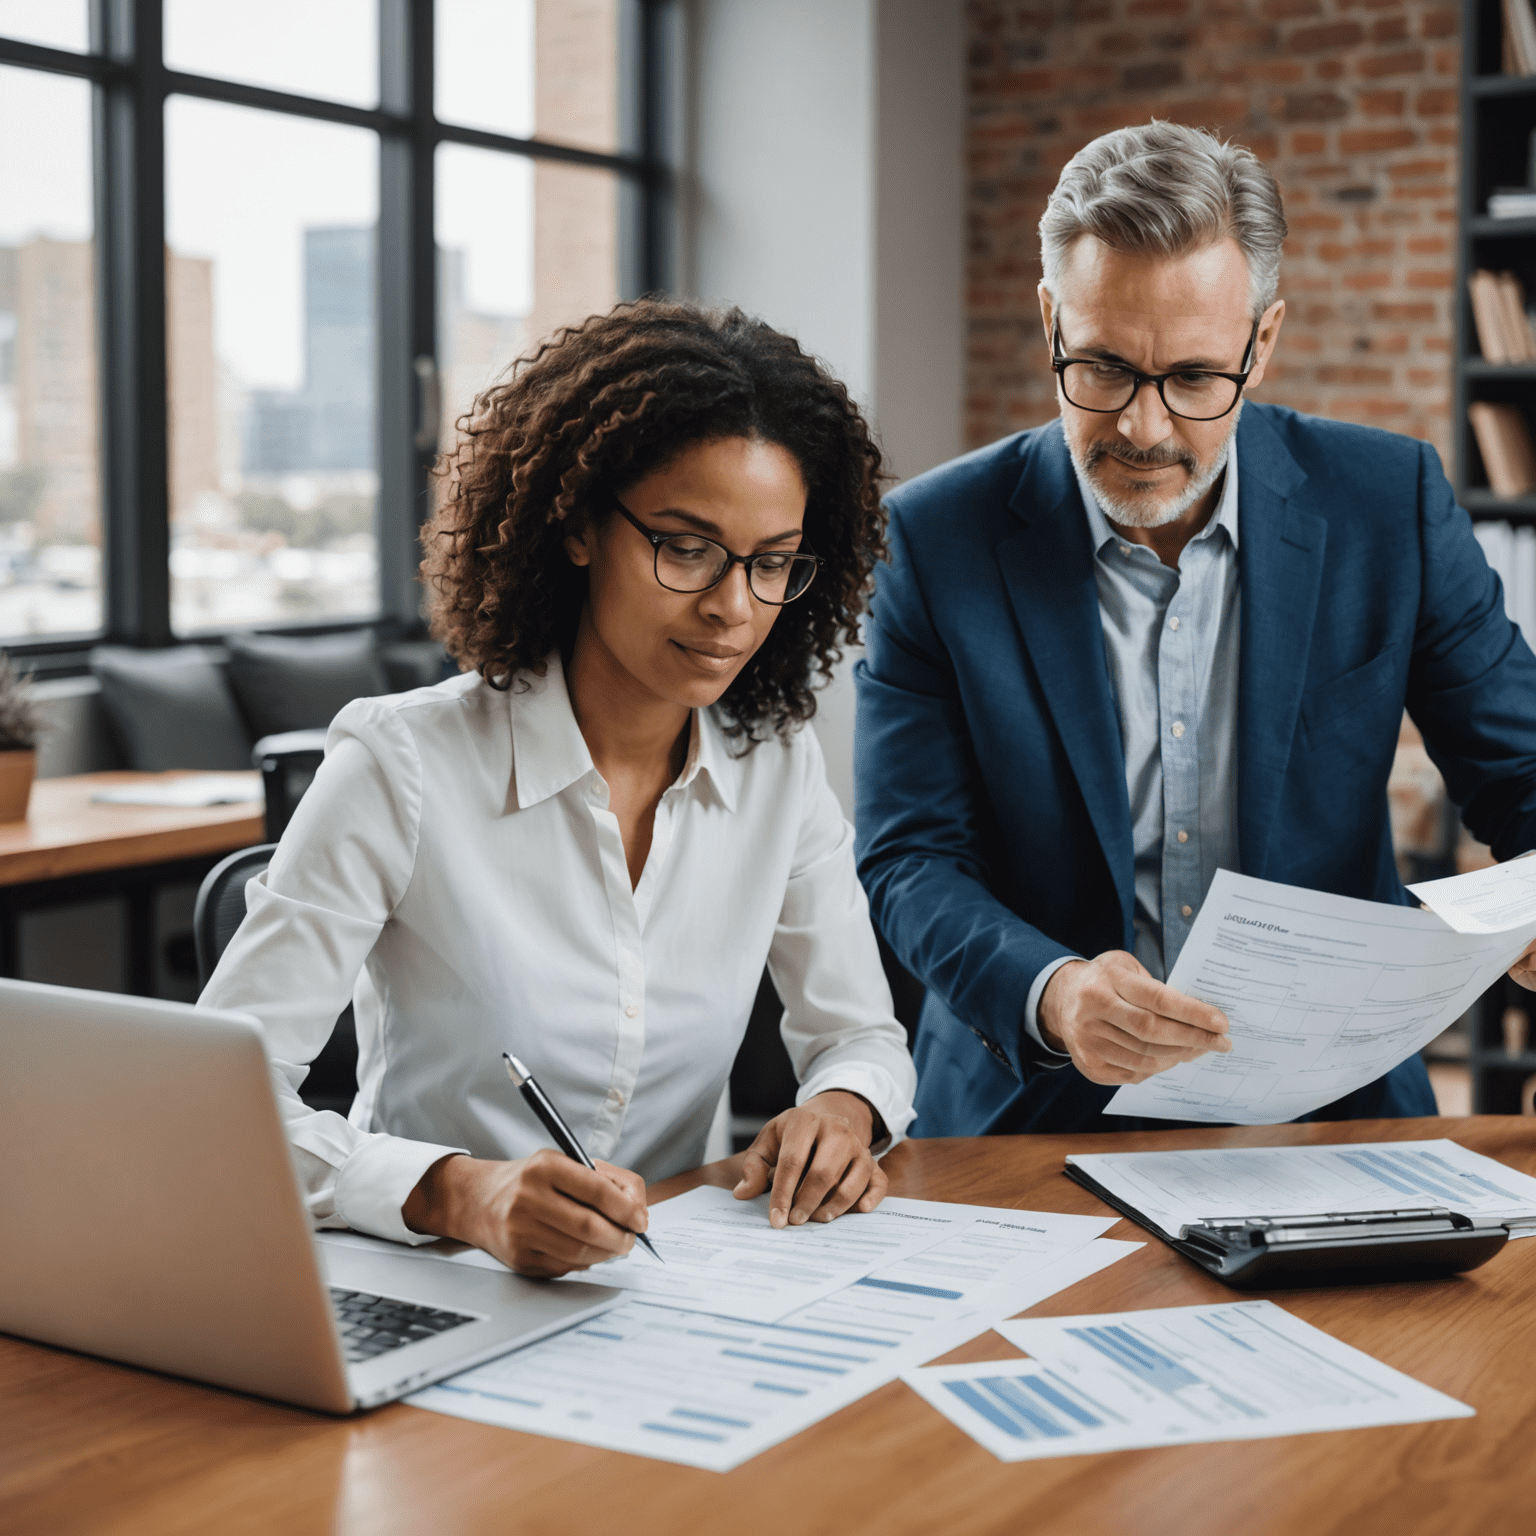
(1183, 837)
(1178, 729)
(1125, 549)
(615, 1095)
(1187, 910)
(1173, 623)
(631, 1011)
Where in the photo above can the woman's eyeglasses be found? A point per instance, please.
(688, 562)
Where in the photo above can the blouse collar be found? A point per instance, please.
(549, 753)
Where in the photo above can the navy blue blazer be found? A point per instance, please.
(994, 828)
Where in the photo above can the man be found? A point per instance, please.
(1173, 631)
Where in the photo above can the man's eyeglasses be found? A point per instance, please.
(688, 562)
(1091, 384)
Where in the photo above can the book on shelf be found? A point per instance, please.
(1504, 333)
(1517, 326)
(1512, 203)
(1519, 40)
(1505, 444)
(1512, 554)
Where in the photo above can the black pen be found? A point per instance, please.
(565, 1138)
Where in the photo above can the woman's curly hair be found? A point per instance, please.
(595, 409)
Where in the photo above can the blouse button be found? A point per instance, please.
(631, 1011)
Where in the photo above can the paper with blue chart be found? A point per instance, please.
(690, 1386)
(1323, 994)
(720, 1254)
(1172, 1376)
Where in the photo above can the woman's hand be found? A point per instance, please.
(543, 1215)
(817, 1159)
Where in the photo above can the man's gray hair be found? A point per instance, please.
(1164, 190)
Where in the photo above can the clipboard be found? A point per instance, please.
(1327, 1248)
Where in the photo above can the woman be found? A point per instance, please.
(584, 849)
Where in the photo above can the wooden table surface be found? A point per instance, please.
(90, 1447)
(66, 833)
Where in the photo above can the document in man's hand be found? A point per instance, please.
(1323, 994)
(1171, 1376)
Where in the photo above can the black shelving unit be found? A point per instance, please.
(1498, 115)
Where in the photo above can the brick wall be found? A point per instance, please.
(1352, 104)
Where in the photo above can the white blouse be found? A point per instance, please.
(455, 871)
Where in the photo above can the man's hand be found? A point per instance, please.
(1524, 969)
(817, 1159)
(543, 1215)
(1120, 1025)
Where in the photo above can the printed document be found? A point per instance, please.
(1323, 994)
(1175, 1189)
(712, 1392)
(1172, 1376)
(720, 1255)
(1487, 900)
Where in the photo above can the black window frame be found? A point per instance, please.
(130, 87)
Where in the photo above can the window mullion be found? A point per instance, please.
(406, 304)
(130, 202)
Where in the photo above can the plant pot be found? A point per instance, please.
(17, 770)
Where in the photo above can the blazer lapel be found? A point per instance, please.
(1047, 569)
(1281, 570)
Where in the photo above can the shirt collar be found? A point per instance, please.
(1226, 510)
(549, 753)
(709, 752)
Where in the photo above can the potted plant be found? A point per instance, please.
(20, 725)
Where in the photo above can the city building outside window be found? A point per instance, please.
(366, 210)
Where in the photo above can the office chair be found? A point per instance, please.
(220, 909)
(288, 763)
(763, 1081)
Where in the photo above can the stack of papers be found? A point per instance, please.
(1323, 994)
(770, 1331)
(1171, 1376)
(1172, 1191)
(195, 789)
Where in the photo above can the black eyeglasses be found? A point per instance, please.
(1091, 384)
(688, 562)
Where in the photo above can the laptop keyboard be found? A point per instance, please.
(374, 1325)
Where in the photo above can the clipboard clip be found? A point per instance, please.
(1401, 1244)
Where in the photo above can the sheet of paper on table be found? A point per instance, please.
(1243, 1370)
(1323, 995)
(712, 1392)
(196, 789)
(1174, 1189)
(719, 1254)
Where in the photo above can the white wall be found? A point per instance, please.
(823, 189)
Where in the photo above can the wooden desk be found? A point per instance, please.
(91, 1447)
(67, 833)
(71, 849)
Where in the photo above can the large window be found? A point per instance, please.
(256, 261)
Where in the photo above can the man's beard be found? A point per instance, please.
(1138, 509)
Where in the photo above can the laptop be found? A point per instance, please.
(152, 1215)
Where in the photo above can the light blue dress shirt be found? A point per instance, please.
(1171, 647)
